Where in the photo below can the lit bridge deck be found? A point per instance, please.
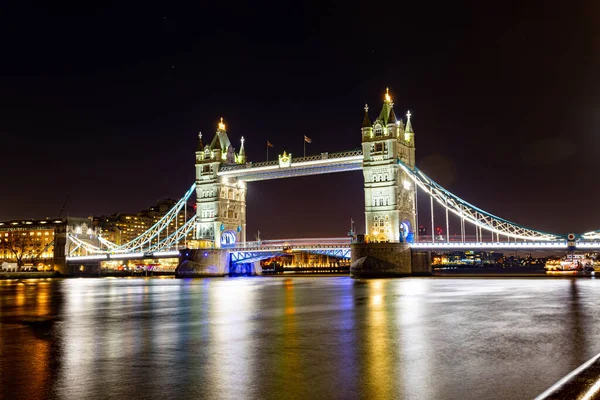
(339, 247)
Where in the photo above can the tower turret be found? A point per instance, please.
(367, 125)
(409, 134)
(241, 156)
(392, 123)
(385, 109)
(200, 149)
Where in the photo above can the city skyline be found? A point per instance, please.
(112, 117)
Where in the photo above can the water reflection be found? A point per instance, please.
(380, 379)
(576, 333)
(232, 305)
(253, 338)
(27, 321)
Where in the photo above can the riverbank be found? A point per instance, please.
(458, 273)
(29, 275)
(56, 274)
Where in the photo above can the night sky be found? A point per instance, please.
(105, 102)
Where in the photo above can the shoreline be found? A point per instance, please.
(524, 274)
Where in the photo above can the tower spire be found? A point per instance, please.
(242, 147)
(366, 120)
(392, 118)
(387, 106)
(200, 145)
(408, 128)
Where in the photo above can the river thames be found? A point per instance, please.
(293, 338)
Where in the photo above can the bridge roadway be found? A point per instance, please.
(340, 247)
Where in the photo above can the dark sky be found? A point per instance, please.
(105, 102)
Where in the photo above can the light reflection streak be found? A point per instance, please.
(414, 342)
(231, 308)
(378, 366)
(76, 372)
(290, 361)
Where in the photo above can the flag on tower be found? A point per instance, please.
(269, 144)
(307, 139)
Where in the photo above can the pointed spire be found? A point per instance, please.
(392, 118)
(242, 146)
(366, 120)
(387, 106)
(200, 145)
(388, 98)
(408, 128)
(221, 140)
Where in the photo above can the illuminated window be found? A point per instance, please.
(378, 130)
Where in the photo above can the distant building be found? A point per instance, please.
(123, 228)
(467, 258)
(38, 244)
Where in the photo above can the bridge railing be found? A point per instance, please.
(325, 243)
(295, 160)
(485, 238)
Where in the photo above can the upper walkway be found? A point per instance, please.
(290, 167)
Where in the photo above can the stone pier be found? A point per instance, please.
(388, 260)
(203, 263)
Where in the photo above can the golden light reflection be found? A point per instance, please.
(42, 299)
(38, 365)
(20, 294)
(30, 323)
(378, 359)
(290, 363)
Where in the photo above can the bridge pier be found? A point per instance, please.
(204, 263)
(82, 268)
(388, 260)
(199, 263)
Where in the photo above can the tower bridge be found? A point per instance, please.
(391, 180)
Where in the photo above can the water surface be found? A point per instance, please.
(293, 338)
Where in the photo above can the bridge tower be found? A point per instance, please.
(220, 201)
(390, 207)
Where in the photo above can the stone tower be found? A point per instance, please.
(390, 208)
(220, 201)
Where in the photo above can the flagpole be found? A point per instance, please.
(304, 141)
(267, 151)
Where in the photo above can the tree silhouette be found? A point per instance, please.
(22, 246)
